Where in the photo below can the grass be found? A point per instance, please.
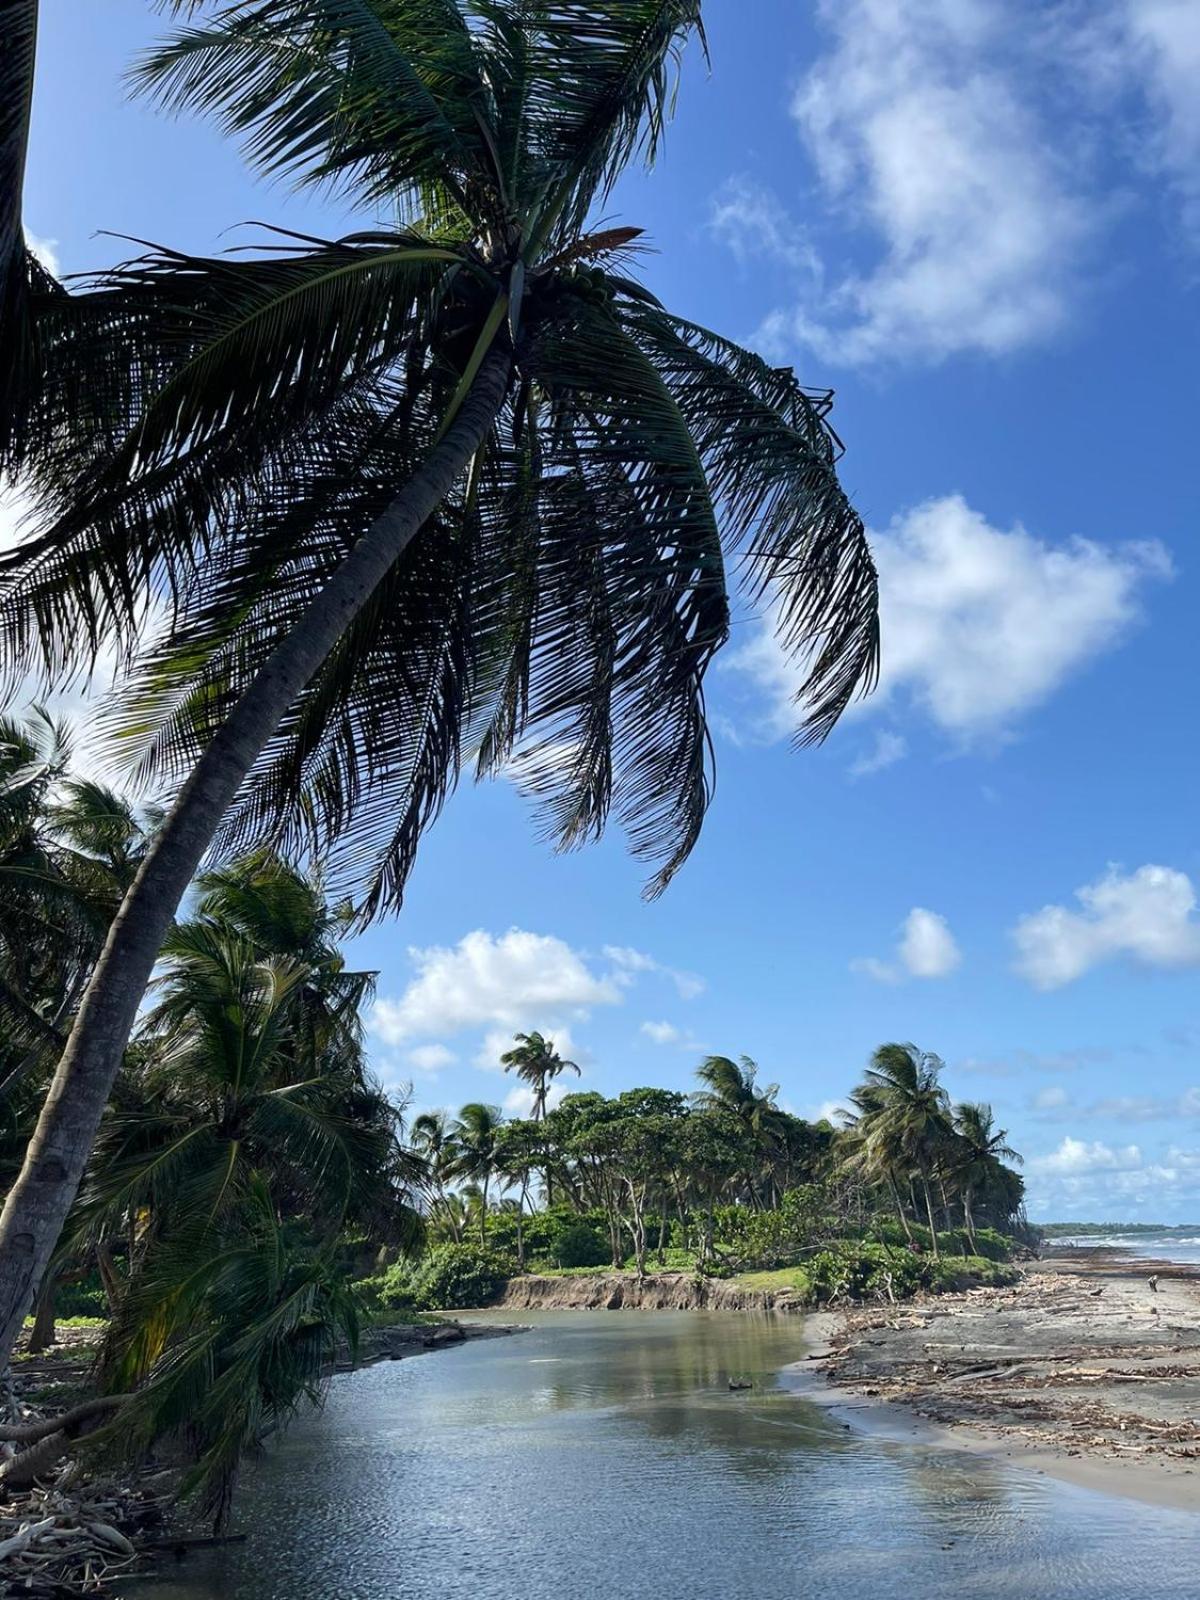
(777, 1278)
(75, 1322)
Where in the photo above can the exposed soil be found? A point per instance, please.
(625, 1291)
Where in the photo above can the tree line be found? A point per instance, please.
(708, 1169)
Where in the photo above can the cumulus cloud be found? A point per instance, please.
(923, 122)
(511, 982)
(1091, 1179)
(976, 153)
(926, 949)
(980, 624)
(1147, 916)
(1076, 1156)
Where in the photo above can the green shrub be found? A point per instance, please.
(83, 1299)
(454, 1276)
(576, 1243)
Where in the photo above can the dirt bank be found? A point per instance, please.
(624, 1291)
(1082, 1365)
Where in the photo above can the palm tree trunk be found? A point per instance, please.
(929, 1213)
(45, 1322)
(18, 52)
(891, 1178)
(38, 1202)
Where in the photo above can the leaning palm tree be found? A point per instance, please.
(912, 1117)
(537, 1063)
(461, 489)
(982, 1146)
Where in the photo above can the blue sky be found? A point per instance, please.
(978, 220)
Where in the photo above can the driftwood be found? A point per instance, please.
(69, 1422)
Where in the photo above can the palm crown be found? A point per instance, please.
(242, 422)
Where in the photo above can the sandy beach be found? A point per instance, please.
(1082, 1368)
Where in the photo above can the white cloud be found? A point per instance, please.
(515, 981)
(1164, 48)
(1095, 1181)
(666, 1033)
(662, 1032)
(872, 967)
(827, 1111)
(754, 223)
(1146, 916)
(629, 963)
(979, 624)
(430, 1058)
(1052, 1098)
(978, 151)
(926, 949)
(922, 120)
(46, 251)
(888, 748)
(1076, 1156)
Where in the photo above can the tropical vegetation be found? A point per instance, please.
(254, 1195)
(453, 490)
(908, 1191)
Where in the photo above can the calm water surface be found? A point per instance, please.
(603, 1455)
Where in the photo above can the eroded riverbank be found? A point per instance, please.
(1082, 1368)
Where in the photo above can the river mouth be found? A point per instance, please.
(605, 1454)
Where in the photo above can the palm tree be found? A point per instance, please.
(911, 1115)
(228, 1087)
(432, 1140)
(537, 1063)
(731, 1086)
(874, 1158)
(984, 1146)
(476, 1134)
(69, 850)
(460, 486)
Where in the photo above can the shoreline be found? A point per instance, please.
(1080, 1371)
(143, 1530)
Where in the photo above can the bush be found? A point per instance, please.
(455, 1276)
(576, 1244)
(85, 1298)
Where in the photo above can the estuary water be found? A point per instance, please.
(603, 1454)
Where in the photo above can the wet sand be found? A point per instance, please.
(1081, 1368)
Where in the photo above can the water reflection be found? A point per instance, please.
(604, 1455)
